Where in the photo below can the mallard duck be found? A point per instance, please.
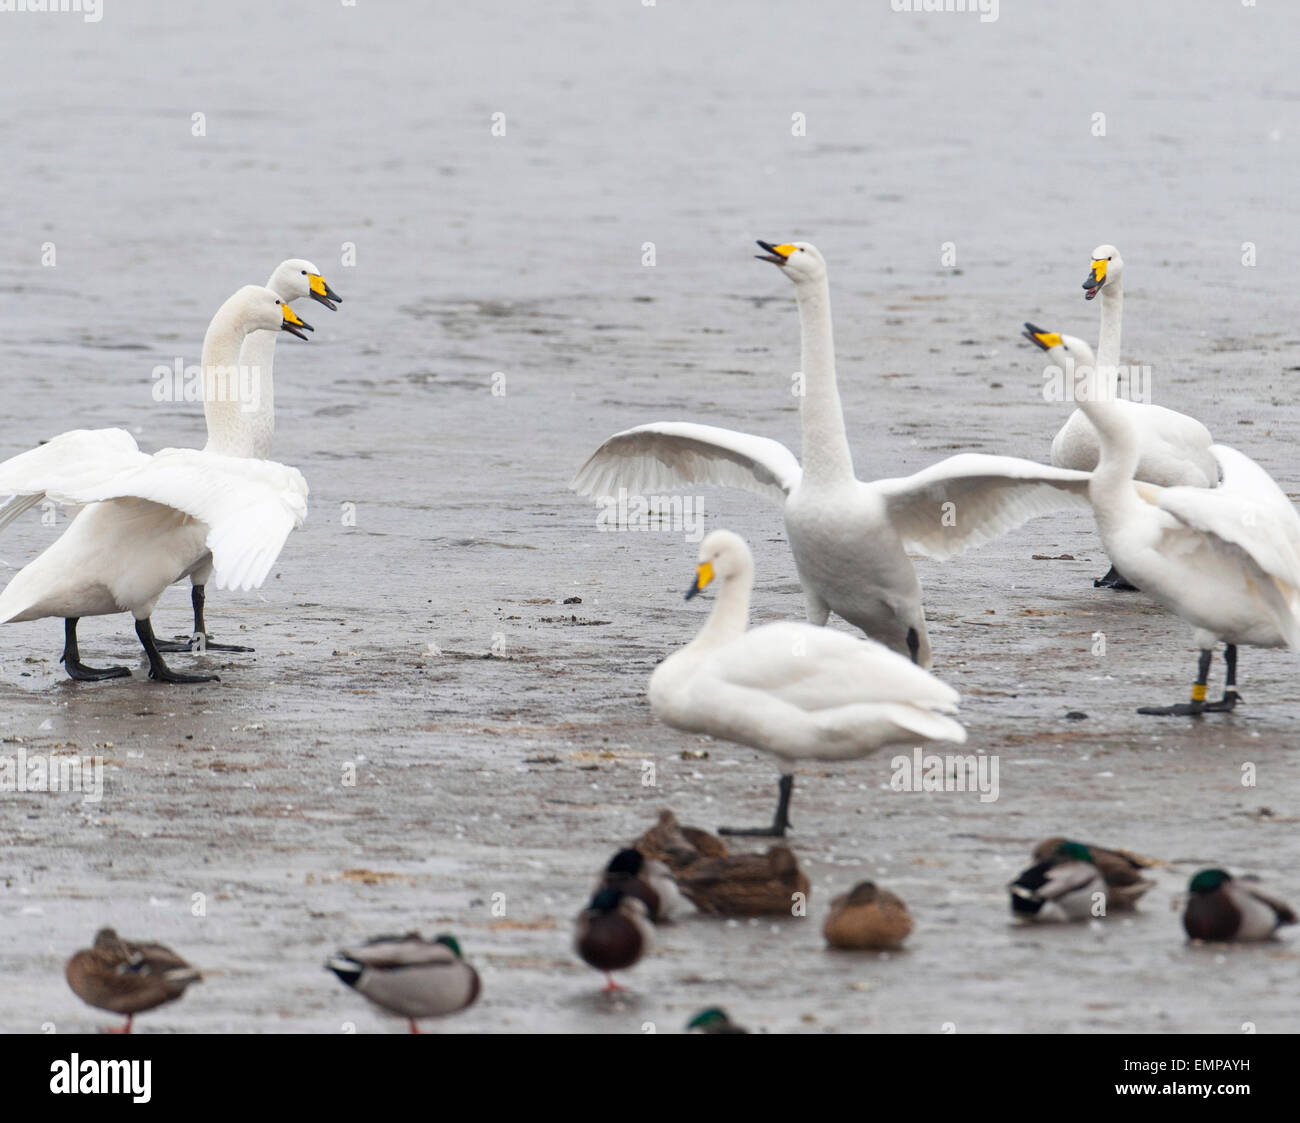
(646, 879)
(713, 1020)
(1219, 907)
(409, 975)
(127, 978)
(745, 884)
(867, 917)
(1060, 887)
(613, 933)
(1121, 869)
(678, 846)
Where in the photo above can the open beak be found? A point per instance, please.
(703, 575)
(322, 292)
(1096, 278)
(293, 324)
(1039, 338)
(777, 255)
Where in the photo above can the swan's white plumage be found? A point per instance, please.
(990, 495)
(792, 689)
(246, 507)
(848, 537)
(148, 521)
(1225, 559)
(1173, 448)
(665, 455)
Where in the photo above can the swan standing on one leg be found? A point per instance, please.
(1173, 449)
(1225, 559)
(793, 690)
(152, 520)
(234, 429)
(850, 539)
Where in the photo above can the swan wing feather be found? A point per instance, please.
(63, 466)
(990, 495)
(1247, 510)
(820, 669)
(249, 506)
(667, 455)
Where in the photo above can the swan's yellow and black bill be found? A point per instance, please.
(703, 575)
(1096, 278)
(322, 292)
(777, 255)
(292, 323)
(1044, 339)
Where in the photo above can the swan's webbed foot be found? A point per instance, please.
(1115, 580)
(1179, 709)
(71, 659)
(79, 672)
(197, 644)
(780, 823)
(158, 669)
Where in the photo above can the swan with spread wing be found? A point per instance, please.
(850, 538)
(148, 521)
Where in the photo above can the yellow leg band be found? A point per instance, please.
(1198, 692)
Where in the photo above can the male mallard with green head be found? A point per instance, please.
(1122, 870)
(409, 976)
(1219, 907)
(1065, 886)
(612, 933)
(127, 978)
(646, 879)
(713, 1020)
(867, 917)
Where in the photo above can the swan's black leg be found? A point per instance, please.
(1114, 580)
(71, 658)
(1197, 705)
(1230, 696)
(780, 824)
(158, 670)
(199, 641)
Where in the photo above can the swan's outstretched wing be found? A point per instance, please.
(819, 669)
(966, 500)
(63, 466)
(668, 455)
(249, 506)
(1247, 510)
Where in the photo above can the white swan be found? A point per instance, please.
(1225, 559)
(234, 429)
(151, 520)
(849, 538)
(1173, 448)
(794, 690)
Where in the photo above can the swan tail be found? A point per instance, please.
(925, 722)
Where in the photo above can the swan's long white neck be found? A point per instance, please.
(248, 428)
(230, 398)
(730, 616)
(826, 456)
(1112, 318)
(1118, 453)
